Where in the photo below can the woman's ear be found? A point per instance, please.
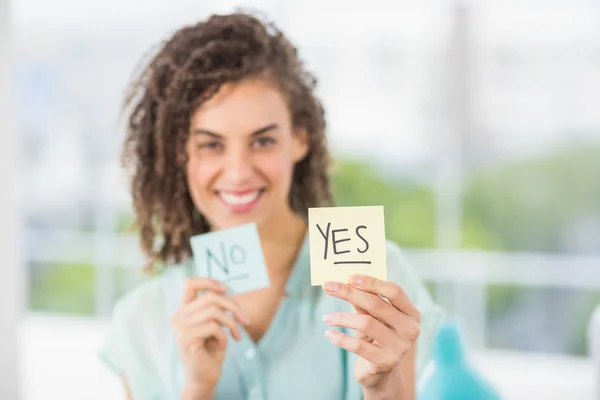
(301, 144)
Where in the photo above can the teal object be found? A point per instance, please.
(232, 256)
(453, 378)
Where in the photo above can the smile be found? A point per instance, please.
(240, 201)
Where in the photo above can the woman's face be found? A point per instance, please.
(242, 151)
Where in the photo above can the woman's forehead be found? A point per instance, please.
(242, 107)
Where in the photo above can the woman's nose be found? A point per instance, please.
(238, 167)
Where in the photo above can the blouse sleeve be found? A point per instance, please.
(134, 347)
(401, 272)
(116, 350)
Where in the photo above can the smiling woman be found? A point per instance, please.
(224, 129)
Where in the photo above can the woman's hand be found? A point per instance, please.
(199, 325)
(389, 329)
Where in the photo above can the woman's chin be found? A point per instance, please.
(233, 220)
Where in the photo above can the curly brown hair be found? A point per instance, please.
(187, 70)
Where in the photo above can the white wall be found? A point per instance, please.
(11, 282)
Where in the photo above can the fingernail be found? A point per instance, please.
(357, 280)
(327, 318)
(331, 286)
(331, 335)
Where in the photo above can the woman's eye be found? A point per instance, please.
(264, 141)
(209, 146)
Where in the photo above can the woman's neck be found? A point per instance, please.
(281, 240)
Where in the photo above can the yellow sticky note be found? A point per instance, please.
(345, 241)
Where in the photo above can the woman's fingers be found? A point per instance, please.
(389, 290)
(379, 308)
(197, 335)
(381, 358)
(202, 318)
(214, 313)
(368, 325)
(193, 286)
(369, 302)
(210, 298)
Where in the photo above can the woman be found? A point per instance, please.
(224, 128)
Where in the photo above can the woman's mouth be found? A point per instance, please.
(240, 201)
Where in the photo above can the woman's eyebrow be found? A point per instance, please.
(265, 129)
(207, 132)
(260, 131)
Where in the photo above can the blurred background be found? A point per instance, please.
(475, 123)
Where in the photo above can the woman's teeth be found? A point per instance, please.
(237, 200)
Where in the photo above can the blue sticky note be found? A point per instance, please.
(232, 256)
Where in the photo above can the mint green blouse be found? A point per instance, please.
(293, 360)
